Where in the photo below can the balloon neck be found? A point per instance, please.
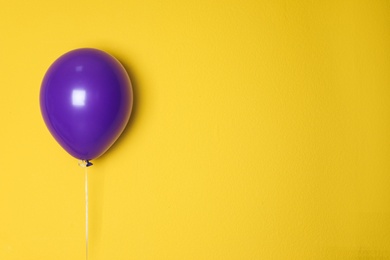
(85, 163)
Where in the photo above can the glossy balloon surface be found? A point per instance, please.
(86, 99)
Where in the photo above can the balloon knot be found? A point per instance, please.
(85, 163)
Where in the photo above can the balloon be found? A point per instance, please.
(86, 99)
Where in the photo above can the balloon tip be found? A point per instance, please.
(88, 163)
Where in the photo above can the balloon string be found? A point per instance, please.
(86, 213)
(85, 164)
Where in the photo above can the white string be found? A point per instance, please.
(86, 213)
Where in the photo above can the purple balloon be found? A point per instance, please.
(86, 99)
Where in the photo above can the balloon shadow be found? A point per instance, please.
(97, 190)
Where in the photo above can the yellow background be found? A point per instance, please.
(261, 130)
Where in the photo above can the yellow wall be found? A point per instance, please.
(261, 130)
